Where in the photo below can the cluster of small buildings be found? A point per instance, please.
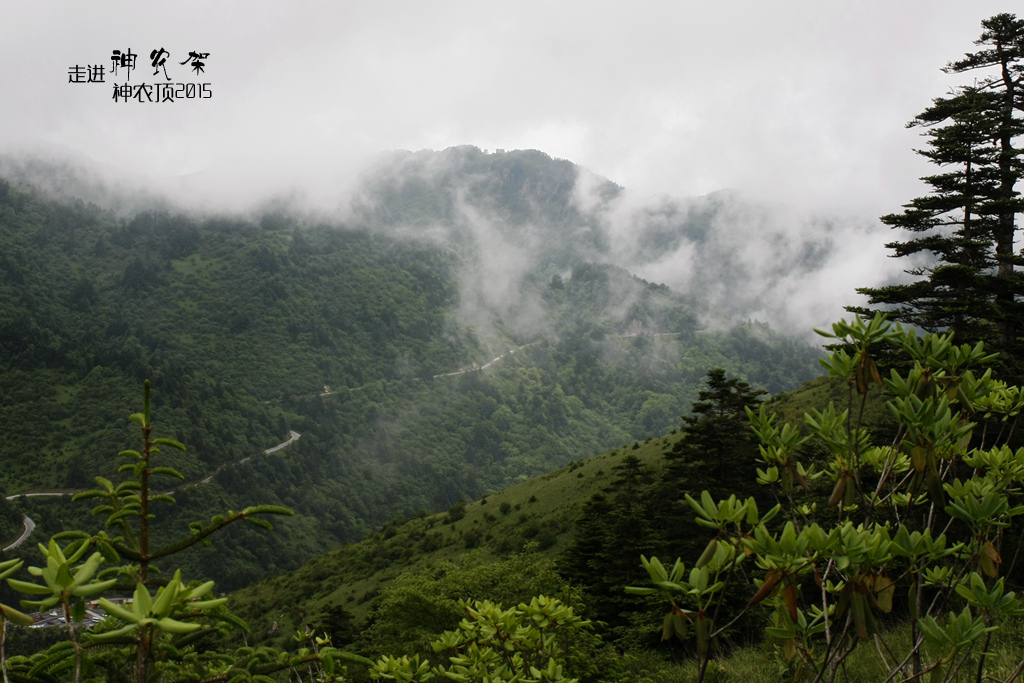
(55, 617)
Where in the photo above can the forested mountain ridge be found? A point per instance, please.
(528, 199)
(241, 323)
(521, 211)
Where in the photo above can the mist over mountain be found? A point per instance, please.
(509, 215)
(65, 175)
(464, 321)
(523, 212)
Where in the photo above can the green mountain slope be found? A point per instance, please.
(437, 392)
(542, 511)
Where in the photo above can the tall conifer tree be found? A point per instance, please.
(717, 451)
(613, 530)
(967, 222)
(954, 224)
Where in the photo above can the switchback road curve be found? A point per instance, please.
(30, 525)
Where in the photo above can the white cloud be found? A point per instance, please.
(783, 99)
(796, 102)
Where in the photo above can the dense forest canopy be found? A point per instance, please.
(372, 339)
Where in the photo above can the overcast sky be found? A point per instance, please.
(801, 101)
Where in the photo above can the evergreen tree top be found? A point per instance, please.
(1004, 35)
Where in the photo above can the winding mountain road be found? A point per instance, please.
(488, 364)
(294, 436)
(475, 367)
(30, 525)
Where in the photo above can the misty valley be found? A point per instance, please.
(425, 360)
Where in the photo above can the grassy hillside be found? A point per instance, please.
(542, 510)
(539, 511)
